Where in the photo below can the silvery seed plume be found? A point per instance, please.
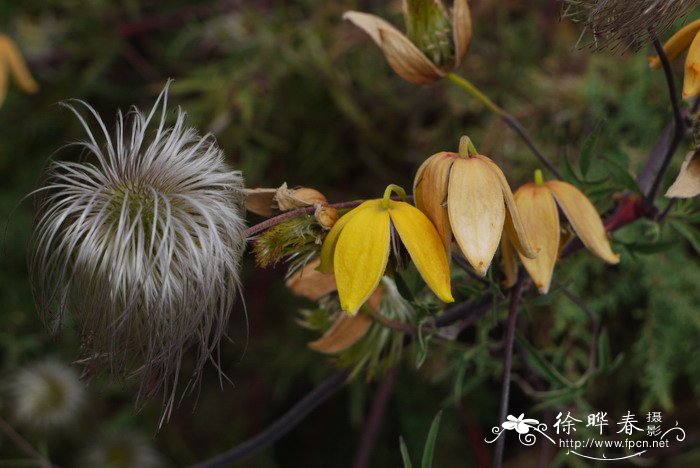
(619, 25)
(47, 395)
(139, 246)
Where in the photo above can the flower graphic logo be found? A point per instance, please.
(521, 425)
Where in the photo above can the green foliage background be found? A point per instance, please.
(294, 94)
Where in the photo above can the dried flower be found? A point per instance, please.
(357, 249)
(623, 24)
(466, 195)
(12, 63)
(47, 396)
(686, 38)
(537, 204)
(269, 202)
(346, 330)
(687, 184)
(434, 46)
(140, 245)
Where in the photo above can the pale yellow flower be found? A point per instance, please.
(466, 196)
(537, 204)
(687, 184)
(357, 249)
(12, 64)
(685, 38)
(437, 45)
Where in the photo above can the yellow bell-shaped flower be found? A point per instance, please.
(685, 38)
(357, 249)
(467, 196)
(537, 204)
(12, 64)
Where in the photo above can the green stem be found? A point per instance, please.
(387, 194)
(511, 121)
(469, 87)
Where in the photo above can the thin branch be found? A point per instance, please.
(376, 417)
(513, 123)
(283, 425)
(509, 120)
(677, 117)
(515, 295)
(22, 444)
(274, 221)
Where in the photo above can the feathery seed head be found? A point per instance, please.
(47, 395)
(623, 24)
(139, 245)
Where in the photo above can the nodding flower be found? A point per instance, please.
(687, 38)
(436, 44)
(139, 244)
(12, 64)
(537, 203)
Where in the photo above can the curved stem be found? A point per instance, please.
(677, 117)
(376, 417)
(515, 295)
(23, 445)
(283, 425)
(511, 121)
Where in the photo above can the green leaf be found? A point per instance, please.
(689, 232)
(647, 248)
(587, 149)
(430, 442)
(620, 175)
(541, 366)
(570, 174)
(404, 453)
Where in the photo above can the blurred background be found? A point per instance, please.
(294, 94)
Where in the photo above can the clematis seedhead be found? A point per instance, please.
(620, 25)
(138, 246)
(47, 396)
(436, 44)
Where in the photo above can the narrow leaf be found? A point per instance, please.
(404, 453)
(430, 442)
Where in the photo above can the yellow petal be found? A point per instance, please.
(345, 332)
(329, 244)
(687, 184)
(430, 192)
(691, 81)
(677, 43)
(403, 56)
(508, 263)
(361, 255)
(424, 246)
(541, 221)
(477, 211)
(461, 29)
(583, 218)
(513, 225)
(310, 283)
(3, 81)
(17, 66)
